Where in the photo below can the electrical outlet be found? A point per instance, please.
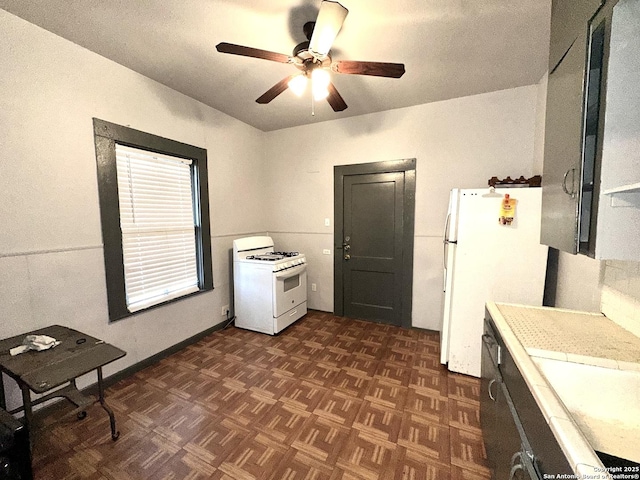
(314, 287)
(225, 310)
(326, 251)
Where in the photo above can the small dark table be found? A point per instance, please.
(42, 371)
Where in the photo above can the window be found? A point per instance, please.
(155, 221)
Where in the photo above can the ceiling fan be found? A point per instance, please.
(313, 60)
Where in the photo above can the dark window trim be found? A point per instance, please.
(106, 136)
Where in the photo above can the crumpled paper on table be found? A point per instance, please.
(35, 342)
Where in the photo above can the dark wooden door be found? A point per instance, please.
(373, 246)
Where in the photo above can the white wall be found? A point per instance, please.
(579, 279)
(51, 259)
(611, 287)
(620, 299)
(457, 143)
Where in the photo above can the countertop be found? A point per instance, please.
(569, 335)
(533, 333)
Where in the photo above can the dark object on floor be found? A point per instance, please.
(15, 455)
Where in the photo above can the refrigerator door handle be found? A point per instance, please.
(446, 227)
(444, 276)
(445, 241)
(445, 253)
(445, 248)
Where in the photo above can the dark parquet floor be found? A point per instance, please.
(329, 398)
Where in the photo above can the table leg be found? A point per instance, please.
(112, 419)
(28, 411)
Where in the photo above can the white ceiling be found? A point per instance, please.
(450, 48)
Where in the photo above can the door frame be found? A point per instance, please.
(408, 166)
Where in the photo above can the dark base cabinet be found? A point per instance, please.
(518, 440)
(15, 450)
(549, 457)
(490, 381)
(502, 437)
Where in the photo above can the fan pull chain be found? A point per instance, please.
(313, 106)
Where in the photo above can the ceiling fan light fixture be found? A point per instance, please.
(298, 84)
(314, 62)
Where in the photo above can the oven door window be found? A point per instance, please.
(291, 283)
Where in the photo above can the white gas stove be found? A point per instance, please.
(270, 288)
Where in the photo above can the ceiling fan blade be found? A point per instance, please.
(274, 91)
(377, 69)
(335, 99)
(329, 22)
(252, 52)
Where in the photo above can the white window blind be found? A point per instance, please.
(155, 194)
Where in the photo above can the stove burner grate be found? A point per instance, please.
(269, 257)
(273, 256)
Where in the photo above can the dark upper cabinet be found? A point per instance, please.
(562, 150)
(591, 173)
(568, 21)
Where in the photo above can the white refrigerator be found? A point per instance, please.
(485, 260)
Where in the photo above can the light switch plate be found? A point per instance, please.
(326, 251)
(327, 222)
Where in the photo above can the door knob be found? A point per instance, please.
(347, 256)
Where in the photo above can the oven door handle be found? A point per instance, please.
(291, 272)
